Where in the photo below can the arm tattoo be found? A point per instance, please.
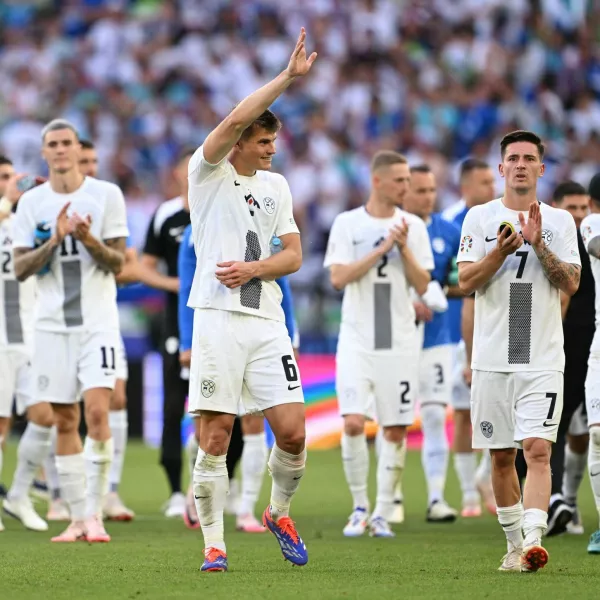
(109, 255)
(28, 261)
(561, 274)
(594, 247)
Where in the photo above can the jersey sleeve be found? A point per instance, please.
(186, 264)
(115, 215)
(23, 226)
(287, 306)
(339, 246)
(568, 248)
(200, 170)
(590, 228)
(154, 242)
(285, 219)
(471, 247)
(420, 244)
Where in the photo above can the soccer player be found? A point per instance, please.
(16, 327)
(162, 244)
(477, 188)
(517, 254)
(375, 254)
(254, 454)
(77, 323)
(590, 230)
(578, 331)
(435, 366)
(241, 346)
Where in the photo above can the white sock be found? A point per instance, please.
(253, 464)
(484, 470)
(286, 471)
(434, 453)
(511, 519)
(119, 425)
(210, 492)
(33, 449)
(389, 471)
(50, 468)
(594, 464)
(191, 451)
(464, 464)
(98, 458)
(355, 458)
(574, 470)
(71, 474)
(535, 523)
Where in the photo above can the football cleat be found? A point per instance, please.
(398, 513)
(22, 510)
(249, 524)
(560, 515)
(534, 557)
(115, 510)
(511, 561)
(594, 545)
(357, 522)
(291, 544)
(215, 561)
(58, 510)
(175, 506)
(575, 527)
(440, 512)
(96, 534)
(379, 527)
(75, 532)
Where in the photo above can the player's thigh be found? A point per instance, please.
(97, 360)
(592, 390)
(8, 382)
(354, 382)
(538, 404)
(435, 375)
(122, 369)
(271, 376)
(492, 410)
(396, 380)
(55, 365)
(219, 358)
(460, 394)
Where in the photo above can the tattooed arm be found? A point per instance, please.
(28, 261)
(110, 255)
(563, 275)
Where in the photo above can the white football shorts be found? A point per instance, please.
(235, 354)
(382, 387)
(66, 365)
(435, 375)
(461, 393)
(592, 390)
(122, 369)
(507, 408)
(15, 381)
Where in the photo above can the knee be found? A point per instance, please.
(503, 460)
(536, 451)
(252, 425)
(395, 435)
(66, 423)
(95, 416)
(354, 425)
(41, 414)
(216, 434)
(118, 400)
(292, 440)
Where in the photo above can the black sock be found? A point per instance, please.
(236, 445)
(173, 470)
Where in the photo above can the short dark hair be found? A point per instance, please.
(87, 145)
(567, 188)
(471, 164)
(421, 169)
(4, 160)
(386, 158)
(594, 188)
(522, 136)
(268, 120)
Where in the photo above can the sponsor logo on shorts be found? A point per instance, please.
(290, 388)
(43, 383)
(269, 205)
(487, 429)
(208, 387)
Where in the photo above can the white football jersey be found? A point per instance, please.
(377, 310)
(17, 299)
(590, 228)
(76, 294)
(518, 324)
(234, 219)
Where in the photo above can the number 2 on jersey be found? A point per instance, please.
(6, 256)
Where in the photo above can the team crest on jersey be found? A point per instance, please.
(269, 205)
(487, 429)
(438, 245)
(586, 234)
(547, 236)
(466, 243)
(43, 383)
(595, 404)
(208, 387)
(252, 203)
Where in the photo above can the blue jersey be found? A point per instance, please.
(445, 239)
(186, 266)
(455, 214)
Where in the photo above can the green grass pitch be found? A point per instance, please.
(155, 559)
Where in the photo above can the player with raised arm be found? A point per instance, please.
(435, 368)
(76, 317)
(517, 255)
(590, 231)
(237, 206)
(375, 254)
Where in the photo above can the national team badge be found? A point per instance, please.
(487, 429)
(269, 205)
(466, 243)
(586, 234)
(547, 236)
(208, 387)
(43, 383)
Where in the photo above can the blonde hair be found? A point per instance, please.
(386, 158)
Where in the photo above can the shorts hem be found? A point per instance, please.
(94, 386)
(482, 446)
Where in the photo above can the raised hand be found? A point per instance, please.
(81, 226)
(299, 65)
(400, 233)
(64, 225)
(532, 230)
